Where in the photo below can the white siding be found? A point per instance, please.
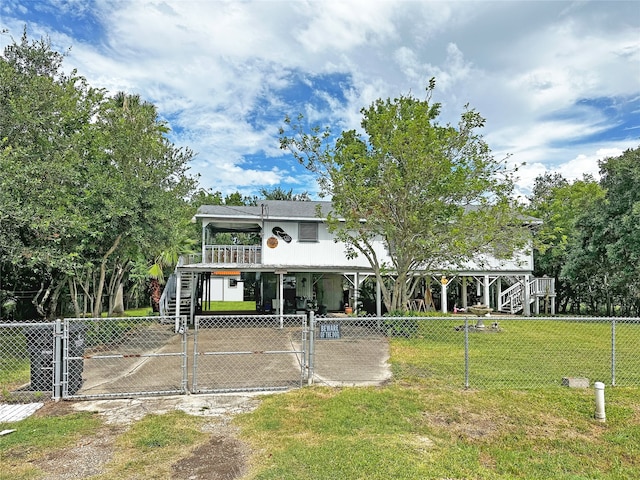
(326, 252)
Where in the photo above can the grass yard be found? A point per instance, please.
(229, 306)
(524, 353)
(405, 430)
(515, 422)
(421, 426)
(412, 430)
(146, 450)
(37, 436)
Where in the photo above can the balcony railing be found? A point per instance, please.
(233, 254)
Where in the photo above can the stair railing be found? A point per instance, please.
(512, 297)
(168, 294)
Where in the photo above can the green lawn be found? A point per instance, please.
(419, 430)
(421, 425)
(229, 306)
(523, 353)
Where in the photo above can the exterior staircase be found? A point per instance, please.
(169, 301)
(512, 300)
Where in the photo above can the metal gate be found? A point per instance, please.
(116, 357)
(244, 353)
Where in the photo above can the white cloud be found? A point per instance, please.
(212, 67)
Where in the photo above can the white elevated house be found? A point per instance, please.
(284, 257)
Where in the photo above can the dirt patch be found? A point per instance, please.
(222, 458)
(468, 425)
(87, 458)
(54, 409)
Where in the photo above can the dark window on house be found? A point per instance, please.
(233, 283)
(308, 232)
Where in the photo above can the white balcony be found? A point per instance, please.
(232, 254)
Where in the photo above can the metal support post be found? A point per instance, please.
(185, 363)
(178, 299)
(57, 361)
(466, 352)
(613, 352)
(194, 378)
(281, 298)
(312, 330)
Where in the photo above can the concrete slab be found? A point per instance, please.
(16, 412)
(234, 357)
(575, 382)
(127, 411)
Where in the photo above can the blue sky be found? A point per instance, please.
(558, 82)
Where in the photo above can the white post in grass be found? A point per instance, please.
(600, 413)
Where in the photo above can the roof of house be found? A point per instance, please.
(268, 209)
(286, 210)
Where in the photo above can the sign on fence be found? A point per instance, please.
(329, 330)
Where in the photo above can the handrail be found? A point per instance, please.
(168, 293)
(514, 295)
(544, 286)
(227, 254)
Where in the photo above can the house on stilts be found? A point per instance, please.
(282, 255)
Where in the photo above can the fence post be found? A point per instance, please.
(312, 330)
(57, 361)
(613, 352)
(185, 362)
(305, 345)
(466, 352)
(194, 379)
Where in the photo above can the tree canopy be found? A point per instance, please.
(604, 261)
(559, 204)
(433, 193)
(89, 183)
(590, 236)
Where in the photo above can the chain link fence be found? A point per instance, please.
(115, 357)
(348, 351)
(476, 352)
(26, 361)
(83, 358)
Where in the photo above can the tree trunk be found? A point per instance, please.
(97, 304)
(73, 291)
(156, 293)
(53, 304)
(117, 307)
(39, 301)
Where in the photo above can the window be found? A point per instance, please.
(308, 232)
(233, 283)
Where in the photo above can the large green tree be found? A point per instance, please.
(559, 204)
(44, 114)
(433, 193)
(605, 258)
(141, 189)
(88, 182)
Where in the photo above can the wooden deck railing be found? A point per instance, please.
(232, 254)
